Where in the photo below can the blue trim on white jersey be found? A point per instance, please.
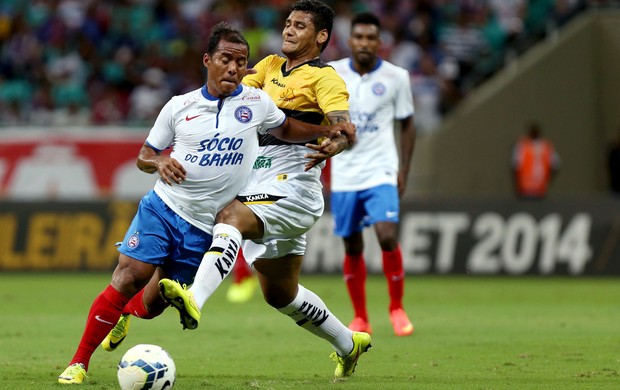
(377, 65)
(220, 101)
(152, 147)
(208, 96)
(280, 125)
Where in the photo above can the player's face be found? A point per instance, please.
(364, 42)
(226, 68)
(300, 38)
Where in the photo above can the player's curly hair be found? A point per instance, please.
(322, 16)
(224, 31)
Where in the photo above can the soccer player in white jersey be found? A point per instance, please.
(214, 135)
(282, 200)
(368, 179)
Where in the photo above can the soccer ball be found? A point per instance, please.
(146, 366)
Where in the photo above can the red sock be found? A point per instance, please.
(395, 275)
(103, 315)
(354, 270)
(242, 270)
(136, 307)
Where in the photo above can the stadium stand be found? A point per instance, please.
(71, 62)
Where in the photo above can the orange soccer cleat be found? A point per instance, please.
(400, 322)
(360, 325)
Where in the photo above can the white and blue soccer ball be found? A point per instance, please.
(146, 366)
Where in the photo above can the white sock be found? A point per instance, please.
(217, 262)
(311, 313)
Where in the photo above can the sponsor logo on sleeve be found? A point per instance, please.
(133, 241)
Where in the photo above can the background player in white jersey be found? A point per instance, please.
(282, 199)
(214, 134)
(367, 179)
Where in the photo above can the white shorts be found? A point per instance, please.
(288, 212)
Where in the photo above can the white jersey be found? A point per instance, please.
(283, 165)
(376, 99)
(216, 141)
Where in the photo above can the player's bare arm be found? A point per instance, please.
(407, 145)
(327, 148)
(333, 145)
(293, 130)
(151, 161)
(336, 117)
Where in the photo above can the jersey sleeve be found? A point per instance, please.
(403, 106)
(331, 92)
(274, 116)
(161, 135)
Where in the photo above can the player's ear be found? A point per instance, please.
(321, 37)
(206, 59)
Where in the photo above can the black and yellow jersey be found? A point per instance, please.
(306, 92)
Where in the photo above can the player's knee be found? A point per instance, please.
(354, 248)
(388, 243)
(130, 276)
(226, 215)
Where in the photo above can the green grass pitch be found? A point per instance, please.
(471, 333)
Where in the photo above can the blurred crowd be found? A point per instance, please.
(116, 62)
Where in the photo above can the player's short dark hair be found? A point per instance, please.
(223, 31)
(322, 16)
(366, 18)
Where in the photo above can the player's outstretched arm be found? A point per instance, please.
(335, 144)
(293, 130)
(327, 148)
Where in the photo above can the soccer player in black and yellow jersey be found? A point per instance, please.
(283, 198)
